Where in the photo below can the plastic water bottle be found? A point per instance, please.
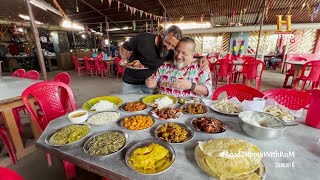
(313, 115)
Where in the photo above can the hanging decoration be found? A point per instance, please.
(127, 7)
(141, 13)
(289, 12)
(241, 48)
(100, 27)
(110, 1)
(131, 10)
(234, 52)
(181, 18)
(151, 26)
(150, 16)
(77, 7)
(134, 25)
(292, 40)
(134, 11)
(118, 6)
(146, 26)
(316, 11)
(303, 6)
(201, 19)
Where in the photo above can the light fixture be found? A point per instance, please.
(127, 38)
(106, 42)
(190, 25)
(125, 28)
(83, 36)
(20, 29)
(66, 23)
(114, 29)
(39, 5)
(27, 18)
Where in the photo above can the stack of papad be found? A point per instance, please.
(229, 159)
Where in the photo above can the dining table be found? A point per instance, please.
(297, 65)
(294, 155)
(10, 98)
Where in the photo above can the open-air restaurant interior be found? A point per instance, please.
(159, 89)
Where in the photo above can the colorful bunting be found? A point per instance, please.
(303, 6)
(201, 19)
(141, 13)
(134, 11)
(131, 10)
(127, 7)
(118, 6)
(134, 25)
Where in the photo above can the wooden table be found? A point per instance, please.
(49, 58)
(302, 140)
(1, 68)
(297, 65)
(10, 97)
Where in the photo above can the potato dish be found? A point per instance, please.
(137, 122)
(172, 133)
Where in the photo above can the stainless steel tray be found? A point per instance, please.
(190, 131)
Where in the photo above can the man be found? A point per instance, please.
(183, 76)
(152, 50)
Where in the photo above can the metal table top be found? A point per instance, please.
(302, 141)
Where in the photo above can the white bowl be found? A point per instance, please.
(80, 119)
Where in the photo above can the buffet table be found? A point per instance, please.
(301, 140)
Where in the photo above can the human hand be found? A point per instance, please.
(183, 84)
(123, 62)
(204, 64)
(151, 82)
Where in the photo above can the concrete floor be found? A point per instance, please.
(34, 166)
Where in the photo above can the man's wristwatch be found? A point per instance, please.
(193, 86)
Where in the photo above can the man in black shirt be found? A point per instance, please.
(152, 50)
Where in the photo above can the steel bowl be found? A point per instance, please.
(261, 132)
(86, 144)
(104, 123)
(49, 136)
(121, 122)
(205, 107)
(198, 130)
(189, 130)
(123, 105)
(146, 143)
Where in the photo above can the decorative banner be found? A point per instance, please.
(134, 25)
(302, 7)
(131, 10)
(127, 8)
(141, 13)
(201, 19)
(146, 14)
(293, 40)
(181, 18)
(118, 6)
(134, 11)
(146, 26)
(110, 3)
(316, 11)
(150, 16)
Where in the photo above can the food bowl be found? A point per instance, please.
(78, 116)
(189, 130)
(262, 132)
(147, 143)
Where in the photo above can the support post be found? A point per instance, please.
(37, 41)
(107, 30)
(261, 24)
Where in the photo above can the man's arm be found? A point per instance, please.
(127, 46)
(201, 90)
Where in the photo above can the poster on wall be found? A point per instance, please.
(239, 43)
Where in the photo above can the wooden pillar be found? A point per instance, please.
(107, 30)
(37, 41)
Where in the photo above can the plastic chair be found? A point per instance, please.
(239, 91)
(8, 174)
(88, 66)
(250, 72)
(7, 142)
(290, 98)
(247, 58)
(33, 74)
(313, 76)
(223, 68)
(47, 95)
(19, 73)
(120, 70)
(101, 67)
(78, 67)
(290, 72)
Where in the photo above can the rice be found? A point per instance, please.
(163, 102)
(103, 118)
(260, 120)
(102, 105)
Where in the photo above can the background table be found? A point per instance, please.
(297, 65)
(302, 140)
(10, 97)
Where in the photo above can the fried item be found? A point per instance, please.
(137, 122)
(209, 125)
(106, 143)
(195, 108)
(172, 133)
(69, 134)
(136, 64)
(229, 158)
(167, 113)
(135, 106)
(279, 113)
(150, 159)
(226, 106)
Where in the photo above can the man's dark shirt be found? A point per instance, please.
(144, 49)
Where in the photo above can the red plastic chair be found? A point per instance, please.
(223, 68)
(33, 74)
(250, 72)
(240, 91)
(88, 67)
(247, 58)
(78, 67)
(47, 95)
(120, 70)
(290, 72)
(290, 98)
(19, 73)
(101, 67)
(8, 174)
(313, 76)
(7, 142)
